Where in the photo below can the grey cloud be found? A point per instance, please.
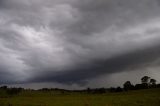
(12, 40)
(130, 61)
(72, 41)
(96, 16)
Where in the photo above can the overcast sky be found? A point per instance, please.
(78, 43)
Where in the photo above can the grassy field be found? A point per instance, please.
(149, 97)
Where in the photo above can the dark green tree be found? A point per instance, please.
(128, 86)
(153, 81)
(145, 80)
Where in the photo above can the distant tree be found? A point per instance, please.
(152, 81)
(102, 90)
(14, 91)
(119, 89)
(128, 86)
(112, 89)
(45, 89)
(145, 80)
(88, 90)
(158, 85)
(4, 87)
(99, 90)
(141, 86)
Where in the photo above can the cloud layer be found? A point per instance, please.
(74, 41)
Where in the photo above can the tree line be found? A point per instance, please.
(146, 83)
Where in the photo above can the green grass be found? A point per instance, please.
(149, 97)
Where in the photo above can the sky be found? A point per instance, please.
(76, 44)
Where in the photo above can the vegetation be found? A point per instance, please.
(144, 94)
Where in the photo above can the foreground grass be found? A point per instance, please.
(149, 97)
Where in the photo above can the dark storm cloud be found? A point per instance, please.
(129, 61)
(96, 16)
(72, 41)
(2, 3)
